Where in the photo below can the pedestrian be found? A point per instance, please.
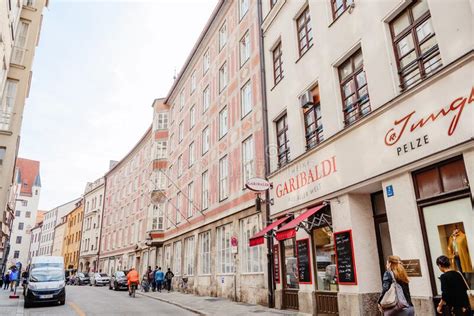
(395, 269)
(169, 277)
(14, 276)
(153, 280)
(6, 281)
(159, 277)
(454, 299)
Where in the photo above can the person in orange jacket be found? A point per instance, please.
(132, 277)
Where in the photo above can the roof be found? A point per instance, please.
(28, 175)
(39, 216)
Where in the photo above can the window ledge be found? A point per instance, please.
(342, 13)
(251, 273)
(8, 133)
(299, 58)
(276, 84)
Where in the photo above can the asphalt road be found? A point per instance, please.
(89, 300)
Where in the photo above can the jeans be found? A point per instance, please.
(168, 285)
(159, 285)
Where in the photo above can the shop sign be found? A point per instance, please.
(413, 267)
(234, 242)
(304, 261)
(257, 184)
(345, 263)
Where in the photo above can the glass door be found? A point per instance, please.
(382, 231)
(290, 274)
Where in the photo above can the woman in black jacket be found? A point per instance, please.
(454, 300)
(394, 265)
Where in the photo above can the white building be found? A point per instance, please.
(26, 190)
(51, 219)
(35, 241)
(93, 206)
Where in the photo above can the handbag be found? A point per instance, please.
(470, 295)
(393, 301)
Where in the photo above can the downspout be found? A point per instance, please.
(101, 224)
(271, 285)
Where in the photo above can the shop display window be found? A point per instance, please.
(291, 264)
(326, 275)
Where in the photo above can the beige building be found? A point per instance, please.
(370, 107)
(20, 24)
(93, 206)
(59, 237)
(72, 236)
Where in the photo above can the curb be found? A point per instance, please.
(173, 303)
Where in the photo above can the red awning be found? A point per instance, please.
(289, 230)
(259, 238)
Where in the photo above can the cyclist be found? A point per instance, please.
(132, 279)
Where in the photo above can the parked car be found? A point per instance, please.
(46, 281)
(99, 279)
(118, 281)
(81, 279)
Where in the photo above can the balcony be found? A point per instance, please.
(29, 3)
(5, 119)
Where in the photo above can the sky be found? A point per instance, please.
(98, 67)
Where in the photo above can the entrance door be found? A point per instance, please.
(290, 274)
(382, 232)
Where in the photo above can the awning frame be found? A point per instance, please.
(318, 219)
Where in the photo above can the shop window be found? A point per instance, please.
(290, 264)
(251, 258)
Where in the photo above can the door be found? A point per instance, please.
(382, 232)
(290, 274)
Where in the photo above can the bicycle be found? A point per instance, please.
(133, 289)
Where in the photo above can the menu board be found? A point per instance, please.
(304, 262)
(345, 263)
(276, 263)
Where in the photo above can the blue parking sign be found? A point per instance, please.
(389, 190)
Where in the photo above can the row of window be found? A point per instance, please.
(123, 237)
(251, 257)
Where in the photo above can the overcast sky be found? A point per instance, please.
(98, 67)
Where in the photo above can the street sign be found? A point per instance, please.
(389, 190)
(234, 242)
(257, 184)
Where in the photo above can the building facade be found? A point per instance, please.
(59, 237)
(26, 194)
(34, 241)
(123, 234)
(72, 236)
(93, 209)
(20, 24)
(371, 147)
(215, 144)
(51, 219)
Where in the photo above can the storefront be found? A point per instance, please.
(398, 183)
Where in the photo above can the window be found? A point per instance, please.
(205, 140)
(223, 178)
(190, 199)
(272, 3)
(181, 132)
(224, 255)
(243, 8)
(415, 45)
(305, 36)
(246, 99)
(248, 159)
(180, 165)
(193, 81)
(19, 49)
(160, 179)
(206, 99)
(222, 36)
(28, 214)
(205, 190)
(339, 6)
(178, 208)
(223, 77)
(192, 154)
(251, 257)
(161, 150)
(21, 225)
(17, 213)
(282, 140)
(277, 64)
(189, 256)
(206, 61)
(3, 151)
(312, 121)
(162, 120)
(157, 216)
(192, 117)
(24, 202)
(181, 100)
(245, 48)
(16, 254)
(7, 104)
(177, 258)
(354, 90)
(223, 122)
(18, 239)
(205, 253)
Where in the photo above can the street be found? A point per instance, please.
(87, 300)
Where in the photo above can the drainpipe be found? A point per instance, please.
(271, 285)
(101, 224)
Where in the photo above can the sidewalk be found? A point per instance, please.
(10, 306)
(206, 305)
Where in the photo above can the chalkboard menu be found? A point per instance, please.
(304, 262)
(345, 258)
(276, 263)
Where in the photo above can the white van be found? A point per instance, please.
(46, 281)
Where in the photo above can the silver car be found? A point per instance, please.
(100, 279)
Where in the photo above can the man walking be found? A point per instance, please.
(159, 277)
(6, 280)
(169, 277)
(14, 276)
(153, 279)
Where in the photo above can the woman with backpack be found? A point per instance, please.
(397, 274)
(454, 299)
